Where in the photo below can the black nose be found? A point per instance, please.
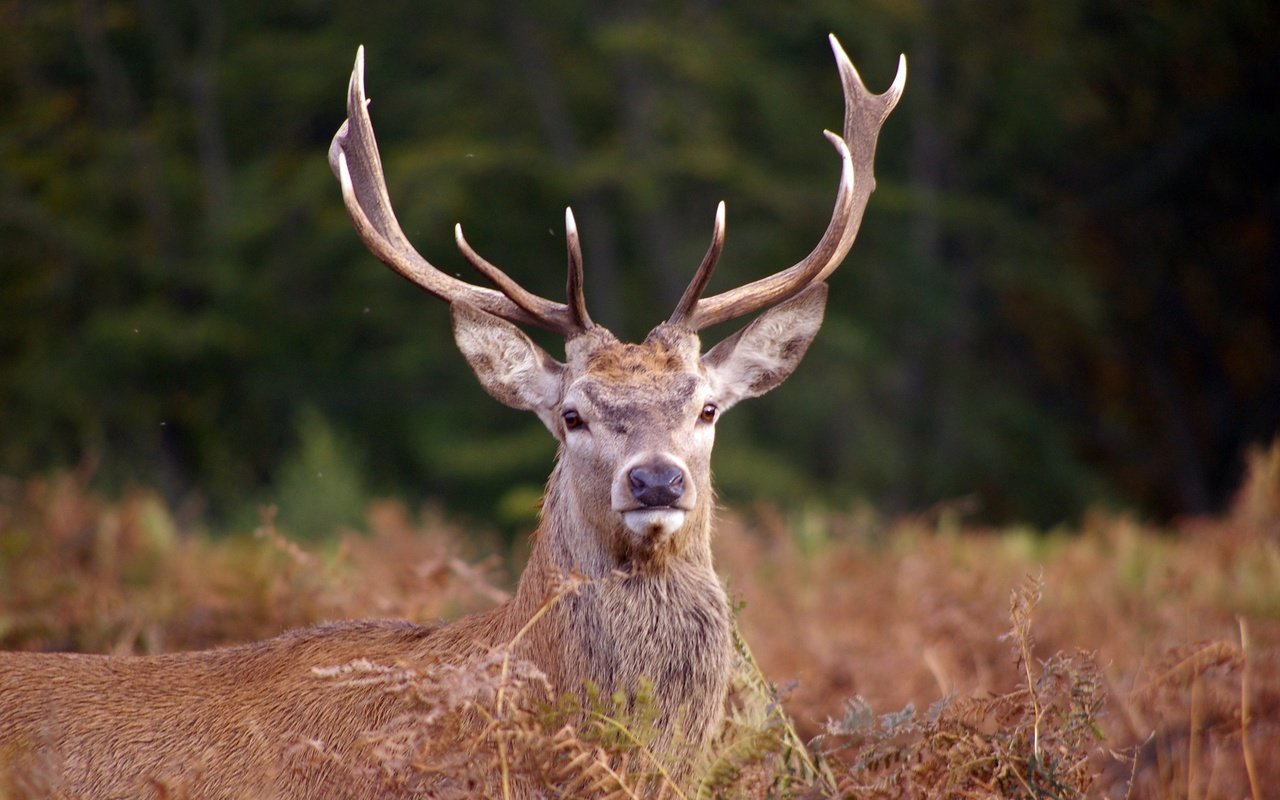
(657, 484)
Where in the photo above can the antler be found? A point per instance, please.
(864, 114)
(353, 157)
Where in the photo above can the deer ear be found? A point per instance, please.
(763, 354)
(509, 365)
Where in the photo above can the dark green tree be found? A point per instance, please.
(1064, 291)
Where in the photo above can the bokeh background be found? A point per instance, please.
(1066, 292)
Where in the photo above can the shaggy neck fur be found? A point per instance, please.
(662, 618)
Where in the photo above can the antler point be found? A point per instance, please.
(344, 173)
(900, 79)
(843, 63)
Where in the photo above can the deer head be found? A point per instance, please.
(635, 422)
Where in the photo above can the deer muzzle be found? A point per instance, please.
(653, 493)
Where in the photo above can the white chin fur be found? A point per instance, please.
(653, 522)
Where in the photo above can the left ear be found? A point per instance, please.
(763, 354)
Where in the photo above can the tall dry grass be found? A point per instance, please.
(918, 657)
(1183, 625)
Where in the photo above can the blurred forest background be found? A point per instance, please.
(1066, 291)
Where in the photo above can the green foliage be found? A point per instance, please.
(319, 490)
(1060, 295)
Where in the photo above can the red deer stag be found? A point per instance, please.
(628, 507)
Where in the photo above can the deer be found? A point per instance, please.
(628, 508)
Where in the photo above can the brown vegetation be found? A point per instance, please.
(921, 657)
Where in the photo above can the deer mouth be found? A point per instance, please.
(653, 492)
(654, 523)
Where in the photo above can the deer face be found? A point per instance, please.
(636, 422)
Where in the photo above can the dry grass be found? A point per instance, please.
(909, 613)
(1116, 661)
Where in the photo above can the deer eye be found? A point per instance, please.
(709, 412)
(572, 420)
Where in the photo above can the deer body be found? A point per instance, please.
(628, 511)
(215, 724)
(236, 722)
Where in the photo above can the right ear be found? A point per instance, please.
(509, 365)
(763, 354)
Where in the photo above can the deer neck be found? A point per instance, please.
(663, 621)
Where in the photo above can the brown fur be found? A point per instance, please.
(230, 722)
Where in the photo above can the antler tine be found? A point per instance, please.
(689, 300)
(529, 302)
(574, 288)
(865, 113)
(577, 319)
(354, 159)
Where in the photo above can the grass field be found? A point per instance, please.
(913, 657)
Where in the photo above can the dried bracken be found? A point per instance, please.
(1033, 741)
(1165, 642)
